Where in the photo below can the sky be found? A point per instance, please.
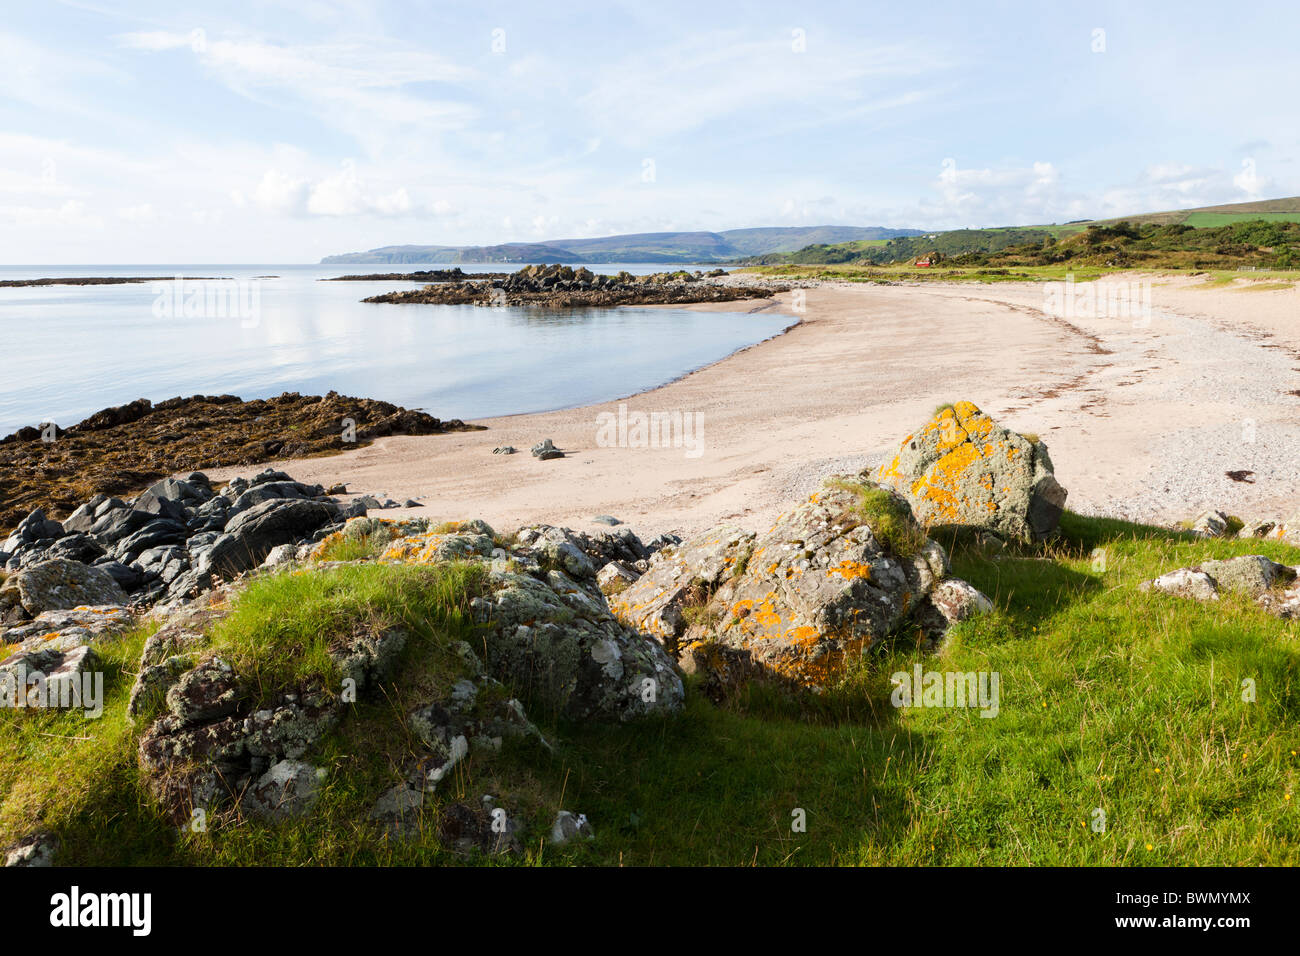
(287, 130)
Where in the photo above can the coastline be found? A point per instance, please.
(862, 368)
(762, 306)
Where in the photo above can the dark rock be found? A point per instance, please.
(75, 547)
(117, 523)
(160, 531)
(288, 789)
(545, 450)
(251, 535)
(486, 829)
(84, 516)
(127, 578)
(33, 528)
(269, 475)
(171, 490)
(269, 490)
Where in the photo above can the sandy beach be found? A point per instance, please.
(1143, 417)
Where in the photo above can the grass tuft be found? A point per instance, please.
(888, 517)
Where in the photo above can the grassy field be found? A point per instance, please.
(1111, 702)
(907, 272)
(1255, 279)
(1212, 220)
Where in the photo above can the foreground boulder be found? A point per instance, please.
(57, 585)
(841, 572)
(962, 469)
(252, 534)
(551, 630)
(176, 539)
(214, 738)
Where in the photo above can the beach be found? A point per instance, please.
(1143, 417)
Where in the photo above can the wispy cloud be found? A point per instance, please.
(272, 129)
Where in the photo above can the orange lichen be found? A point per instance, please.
(766, 614)
(850, 570)
(325, 544)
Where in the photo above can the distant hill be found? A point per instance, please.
(666, 247)
(1202, 217)
(1203, 237)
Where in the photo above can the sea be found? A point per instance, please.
(258, 330)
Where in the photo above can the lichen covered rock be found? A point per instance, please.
(828, 581)
(68, 628)
(59, 584)
(557, 638)
(963, 469)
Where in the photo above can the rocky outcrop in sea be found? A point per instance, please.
(557, 286)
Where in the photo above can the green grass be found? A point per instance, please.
(906, 272)
(889, 518)
(342, 547)
(1212, 220)
(284, 626)
(54, 764)
(1110, 700)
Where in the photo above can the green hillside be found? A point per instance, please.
(1262, 235)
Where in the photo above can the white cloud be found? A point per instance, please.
(69, 215)
(360, 87)
(1248, 180)
(282, 193)
(339, 194)
(144, 212)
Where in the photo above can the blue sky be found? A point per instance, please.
(284, 131)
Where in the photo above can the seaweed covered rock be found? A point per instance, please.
(963, 469)
(847, 568)
(120, 450)
(561, 286)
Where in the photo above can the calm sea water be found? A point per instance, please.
(72, 350)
